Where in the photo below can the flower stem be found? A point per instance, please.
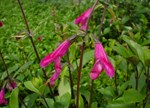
(70, 76)
(31, 39)
(9, 79)
(91, 93)
(81, 57)
(102, 20)
(45, 101)
(116, 89)
(5, 67)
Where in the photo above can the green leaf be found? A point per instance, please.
(106, 30)
(123, 87)
(30, 100)
(65, 100)
(122, 50)
(30, 86)
(94, 105)
(50, 103)
(10, 70)
(112, 13)
(42, 88)
(64, 87)
(87, 56)
(81, 102)
(23, 68)
(125, 19)
(72, 52)
(118, 105)
(14, 99)
(131, 96)
(146, 42)
(108, 91)
(136, 48)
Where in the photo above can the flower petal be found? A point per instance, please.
(54, 78)
(57, 65)
(109, 69)
(96, 70)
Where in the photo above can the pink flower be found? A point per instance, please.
(2, 97)
(12, 85)
(82, 19)
(1, 23)
(102, 63)
(55, 57)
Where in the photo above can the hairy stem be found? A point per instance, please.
(81, 58)
(45, 101)
(116, 89)
(91, 93)
(31, 39)
(9, 79)
(99, 34)
(102, 20)
(70, 76)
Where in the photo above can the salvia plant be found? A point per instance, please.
(75, 54)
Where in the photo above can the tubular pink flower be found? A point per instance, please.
(12, 85)
(55, 57)
(102, 62)
(2, 97)
(82, 19)
(58, 52)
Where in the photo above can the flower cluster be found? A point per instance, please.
(101, 60)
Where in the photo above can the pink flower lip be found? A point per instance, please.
(2, 97)
(102, 62)
(82, 19)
